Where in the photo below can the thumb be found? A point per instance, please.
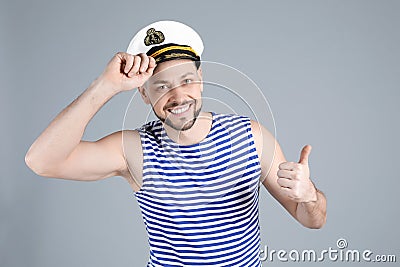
(305, 152)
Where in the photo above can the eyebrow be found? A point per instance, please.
(166, 82)
(187, 74)
(160, 82)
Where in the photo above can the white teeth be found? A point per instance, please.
(179, 110)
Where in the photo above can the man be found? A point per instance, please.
(195, 174)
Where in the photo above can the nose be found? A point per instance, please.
(177, 95)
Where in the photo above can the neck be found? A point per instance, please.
(194, 135)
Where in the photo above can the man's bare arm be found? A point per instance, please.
(59, 151)
(312, 214)
(62, 137)
(288, 182)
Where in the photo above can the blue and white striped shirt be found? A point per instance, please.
(200, 202)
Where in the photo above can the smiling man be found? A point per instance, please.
(195, 174)
(178, 109)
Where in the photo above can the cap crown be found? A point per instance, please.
(164, 32)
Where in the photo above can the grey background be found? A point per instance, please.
(329, 69)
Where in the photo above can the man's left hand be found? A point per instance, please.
(294, 178)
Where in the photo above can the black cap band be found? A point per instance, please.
(172, 51)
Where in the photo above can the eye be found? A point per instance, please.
(187, 81)
(162, 87)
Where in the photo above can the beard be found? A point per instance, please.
(187, 124)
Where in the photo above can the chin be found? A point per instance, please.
(179, 126)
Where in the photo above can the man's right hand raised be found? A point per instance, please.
(60, 152)
(125, 71)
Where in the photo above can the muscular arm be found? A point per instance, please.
(302, 200)
(59, 151)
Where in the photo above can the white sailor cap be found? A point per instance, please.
(167, 40)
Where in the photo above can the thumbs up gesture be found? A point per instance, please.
(294, 178)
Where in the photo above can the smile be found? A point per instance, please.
(179, 110)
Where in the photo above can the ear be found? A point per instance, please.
(143, 93)
(200, 74)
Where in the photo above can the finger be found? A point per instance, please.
(136, 65)
(286, 183)
(128, 63)
(305, 153)
(152, 66)
(285, 174)
(287, 166)
(286, 191)
(144, 62)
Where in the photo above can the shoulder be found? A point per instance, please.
(123, 140)
(256, 128)
(259, 132)
(263, 138)
(133, 153)
(130, 137)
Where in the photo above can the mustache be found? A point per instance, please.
(175, 104)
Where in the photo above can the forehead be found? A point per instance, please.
(173, 69)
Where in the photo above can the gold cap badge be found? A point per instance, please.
(153, 37)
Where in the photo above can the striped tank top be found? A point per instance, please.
(199, 202)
